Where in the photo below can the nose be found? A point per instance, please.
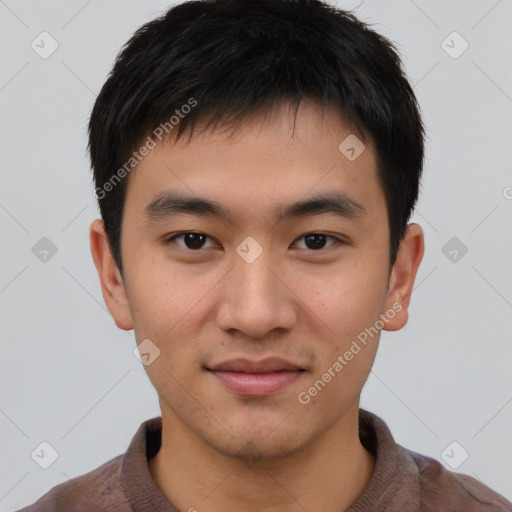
(256, 299)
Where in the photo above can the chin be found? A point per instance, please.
(251, 445)
(255, 451)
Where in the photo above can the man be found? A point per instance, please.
(256, 163)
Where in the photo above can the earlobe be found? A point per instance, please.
(112, 284)
(403, 274)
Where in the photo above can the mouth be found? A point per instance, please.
(256, 378)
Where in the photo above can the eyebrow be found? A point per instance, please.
(169, 203)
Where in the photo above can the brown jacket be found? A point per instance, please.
(403, 480)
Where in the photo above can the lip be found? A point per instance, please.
(268, 365)
(256, 378)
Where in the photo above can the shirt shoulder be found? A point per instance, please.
(99, 489)
(444, 490)
(407, 481)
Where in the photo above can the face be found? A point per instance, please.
(281, 263)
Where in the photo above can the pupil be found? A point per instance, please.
(194, 240)
(318, 241)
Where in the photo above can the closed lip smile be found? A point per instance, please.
(265, 377)
(268, 365)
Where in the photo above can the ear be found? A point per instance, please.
(403, 274)
(112, 285)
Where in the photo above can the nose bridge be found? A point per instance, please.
(254, 300)
(254, 284)
(255, 280)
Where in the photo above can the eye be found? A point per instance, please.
(191, 240)
(196, 241)
(317, 241)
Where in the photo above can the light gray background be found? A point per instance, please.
(69, 376)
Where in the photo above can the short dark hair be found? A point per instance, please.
(229, 58)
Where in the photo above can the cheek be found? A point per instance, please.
(345, 301)
(166, 305)
(350, 307)
(160, 293)
(170, 305)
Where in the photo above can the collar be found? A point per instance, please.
(394, 480)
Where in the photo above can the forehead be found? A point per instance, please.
(270, 158)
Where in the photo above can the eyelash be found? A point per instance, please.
(168, 240)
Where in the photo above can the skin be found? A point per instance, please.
(306, 305)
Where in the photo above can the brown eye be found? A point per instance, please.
(190, 240)
(317, 241)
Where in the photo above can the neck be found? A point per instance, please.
(328, 475)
